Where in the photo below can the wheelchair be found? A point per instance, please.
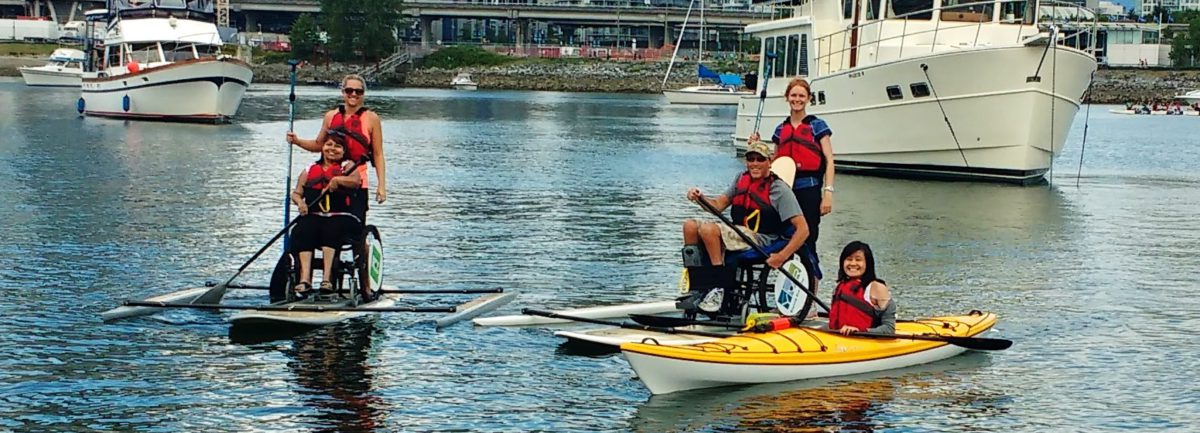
(741, 287)
(351, 278)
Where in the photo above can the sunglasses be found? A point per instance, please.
(353, 91)
(755, 158)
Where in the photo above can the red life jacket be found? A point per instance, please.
(849, 307)
(359, 142)
(752, 205)
(336, 202)
(798, 143)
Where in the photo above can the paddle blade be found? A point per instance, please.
(788, 298)
(785, 168)
(213, 295)
(974, 343)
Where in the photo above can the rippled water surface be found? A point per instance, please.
(572, 200)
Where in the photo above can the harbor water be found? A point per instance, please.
(572, 200)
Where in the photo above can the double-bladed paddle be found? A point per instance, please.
(973, 343)
(553, 315)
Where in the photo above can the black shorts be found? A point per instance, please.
(313, 232)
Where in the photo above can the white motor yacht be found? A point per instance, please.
(958, 89)
(161, 59)
(1192, 97)
(463, 81)
(64, 70)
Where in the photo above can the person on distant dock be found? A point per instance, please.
(329, 223)
(365, 137)
(806, 139)
(862, 302)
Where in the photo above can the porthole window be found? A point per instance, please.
(821, 97)
(894, 93)
(919, 90)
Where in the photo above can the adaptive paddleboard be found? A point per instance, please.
(590, 313)
(475, 307)
(125, 312)
(275, 318)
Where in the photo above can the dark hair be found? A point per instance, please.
(868, 273)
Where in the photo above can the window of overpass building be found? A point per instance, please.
(900, 8)
(793, 57)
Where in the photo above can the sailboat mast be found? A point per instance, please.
(703, 36)
(678, 42)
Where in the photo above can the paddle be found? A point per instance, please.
(671, 322)
(973, 343)
(553, 315)
(400, 291)
(214, 295)
(762, 93)
(287, 186)
(709, 207)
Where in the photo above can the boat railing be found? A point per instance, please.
(1076, 28)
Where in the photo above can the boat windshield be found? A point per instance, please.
(181, 51)
(143, 53)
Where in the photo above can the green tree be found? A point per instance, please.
(361, 29)
(1185, 46)
(305, 37)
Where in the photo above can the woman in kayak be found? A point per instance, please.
(330, 222)
(862, 302)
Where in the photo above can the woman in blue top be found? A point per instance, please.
(806, 139)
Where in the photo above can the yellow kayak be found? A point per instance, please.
(796, 353)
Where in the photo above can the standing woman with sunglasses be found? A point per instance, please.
(806, 139)
(364, 141)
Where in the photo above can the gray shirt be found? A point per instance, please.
(782, 199)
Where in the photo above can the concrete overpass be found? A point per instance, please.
(663, 22)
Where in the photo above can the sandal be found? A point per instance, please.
(302, 289)
(326, 287)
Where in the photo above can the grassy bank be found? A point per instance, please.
(17, 49)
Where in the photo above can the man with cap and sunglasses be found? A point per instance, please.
(763, 207)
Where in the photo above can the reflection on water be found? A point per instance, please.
(859, 403)
(572, 200)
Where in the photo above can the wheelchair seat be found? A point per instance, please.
(355, 280)
(748, 290)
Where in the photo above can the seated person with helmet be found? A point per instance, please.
(765, 209)
(331, 221)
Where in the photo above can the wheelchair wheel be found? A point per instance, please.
(284, 278)
(792, 301)
(369, 262)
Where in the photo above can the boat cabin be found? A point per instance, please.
(149, 33)
(823, 37)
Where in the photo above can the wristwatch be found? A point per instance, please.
(828, 188)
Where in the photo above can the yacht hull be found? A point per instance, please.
(698, 96)
(201, 90)
(998, 122)
(52, 76)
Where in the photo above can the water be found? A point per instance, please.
(573, 200)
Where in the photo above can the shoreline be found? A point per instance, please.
(1111, 86)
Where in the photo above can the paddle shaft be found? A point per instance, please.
(709, 207)
(670, 322)
(297, 308)
(974, 343)
(553, 315)
(398, 291)
(762, 95)
(287, 185)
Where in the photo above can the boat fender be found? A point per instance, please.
(79, 105)
(125, 103)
